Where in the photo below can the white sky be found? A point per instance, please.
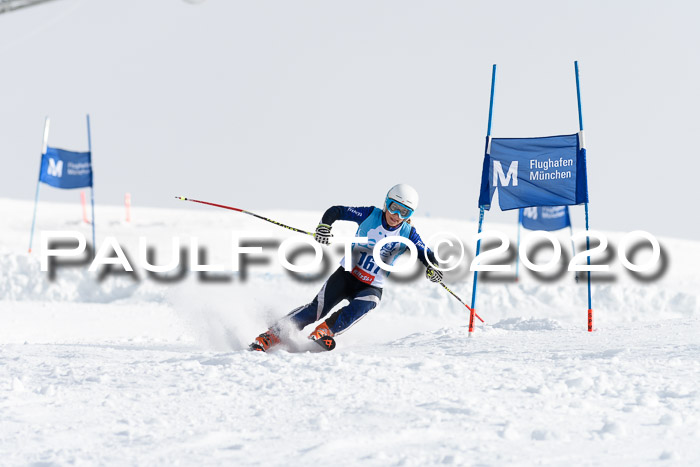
(306, 104)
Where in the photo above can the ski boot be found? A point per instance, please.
(322, 330)
(323, 336)
(264, 341)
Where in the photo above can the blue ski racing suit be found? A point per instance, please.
(362, 285)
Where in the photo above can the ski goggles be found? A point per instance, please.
(401, 209)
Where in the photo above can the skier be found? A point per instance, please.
(362, 285)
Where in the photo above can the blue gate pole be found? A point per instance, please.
(481, 208)
(517, 248)
(38, 182)
(92, 189)
(588, 239)
(573, 249)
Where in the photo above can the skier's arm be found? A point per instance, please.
(339, 213)
(425, 253)
(345, 213)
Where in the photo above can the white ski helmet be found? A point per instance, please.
(404, 198)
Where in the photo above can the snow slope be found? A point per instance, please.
(128, 370)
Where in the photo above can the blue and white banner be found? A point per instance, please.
(66, 169)
(547, 218)
(547, 171)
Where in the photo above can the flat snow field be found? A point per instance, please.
(527, 393)
(128, 371)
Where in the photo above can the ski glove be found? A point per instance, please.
(434, 275)
(323, 234)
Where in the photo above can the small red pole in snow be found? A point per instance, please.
(83, 202)
(590, 320)
(127, 205)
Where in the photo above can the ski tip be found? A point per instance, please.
(326, 343)
(182, 198)
(255, 348)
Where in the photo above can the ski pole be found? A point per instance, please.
(182, 198)
(460, 301)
